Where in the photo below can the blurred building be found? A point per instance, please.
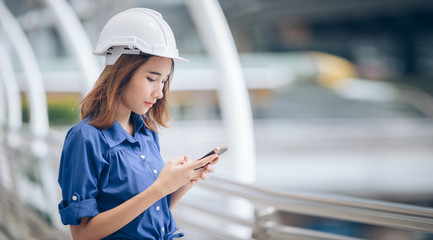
(385, 39)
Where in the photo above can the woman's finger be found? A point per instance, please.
(210, 168)
(204, 176)
(215, 160)
(187, 158)
(178, 161)
(198, 164)
(193, 181)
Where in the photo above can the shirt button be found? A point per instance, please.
(74, 198)
(142, 157)
(163, 229)
(154, 171)
(157, 208)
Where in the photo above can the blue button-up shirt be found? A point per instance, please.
(101, 169)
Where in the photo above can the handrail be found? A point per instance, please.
(218, 213)
(333, 199)
(183, 214)
(375, 212)
(278, 231)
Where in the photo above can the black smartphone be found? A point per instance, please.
(218, 150)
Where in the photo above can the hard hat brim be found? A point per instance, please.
(181, 59)
(104, 53)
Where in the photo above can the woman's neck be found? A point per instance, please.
(123, 117)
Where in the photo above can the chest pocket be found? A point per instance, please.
(128, 174)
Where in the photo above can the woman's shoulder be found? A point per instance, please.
(83, 130)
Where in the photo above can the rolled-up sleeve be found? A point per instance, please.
(79, 171)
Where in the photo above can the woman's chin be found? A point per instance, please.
(141, 111)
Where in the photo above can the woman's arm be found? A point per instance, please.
(178, 194)
(175, 174)
(112, 220)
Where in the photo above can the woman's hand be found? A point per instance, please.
(202, 173)
(208, 168)
(181, 170)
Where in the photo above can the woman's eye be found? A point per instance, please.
(150, 79)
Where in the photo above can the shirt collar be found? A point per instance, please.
(116, 134)
(137, 121)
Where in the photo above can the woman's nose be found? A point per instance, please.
(158, 92)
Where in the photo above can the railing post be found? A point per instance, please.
(11, 90)
(258, 232)
(39, 125)
(3, 160)
(233, 94)
(261, 216)
(76, 41)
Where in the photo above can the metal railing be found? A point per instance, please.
(265, 224)
(268, 204)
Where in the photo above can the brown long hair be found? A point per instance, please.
(100, 104)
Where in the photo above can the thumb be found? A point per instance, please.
(202, 162)
(178, 161)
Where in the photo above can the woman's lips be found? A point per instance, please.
(149, 104)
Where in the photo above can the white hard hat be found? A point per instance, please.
(136, 30)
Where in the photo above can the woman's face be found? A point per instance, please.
(146, 85)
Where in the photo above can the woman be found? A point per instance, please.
(113, 179)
